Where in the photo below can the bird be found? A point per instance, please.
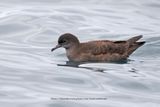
(97, 50)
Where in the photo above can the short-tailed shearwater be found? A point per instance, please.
(99, 50)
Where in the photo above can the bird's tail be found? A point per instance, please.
(133, 44)
(134, 39)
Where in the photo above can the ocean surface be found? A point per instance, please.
(33, 76)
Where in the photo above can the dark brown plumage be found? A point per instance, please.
(97, 51)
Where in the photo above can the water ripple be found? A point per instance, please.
(31, 75)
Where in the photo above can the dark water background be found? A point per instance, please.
(30, 77)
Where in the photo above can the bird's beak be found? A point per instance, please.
(56, 47)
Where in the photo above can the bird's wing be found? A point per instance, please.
(105, 47)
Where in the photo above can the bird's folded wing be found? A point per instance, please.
(107, 47)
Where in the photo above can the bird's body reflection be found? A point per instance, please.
(77, 65)
(95, 69)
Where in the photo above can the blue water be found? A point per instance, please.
(29, 72)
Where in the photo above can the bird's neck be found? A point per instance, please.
(72, 52)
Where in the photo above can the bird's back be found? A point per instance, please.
(105, 50)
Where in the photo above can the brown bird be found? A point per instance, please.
(97, 51)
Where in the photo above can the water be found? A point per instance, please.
(29, 72)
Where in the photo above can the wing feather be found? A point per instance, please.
(105, 47)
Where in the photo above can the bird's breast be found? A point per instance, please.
(71, 54)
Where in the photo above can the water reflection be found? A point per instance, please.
(95, 69)
(76, 65)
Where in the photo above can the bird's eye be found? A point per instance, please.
(62, 41)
